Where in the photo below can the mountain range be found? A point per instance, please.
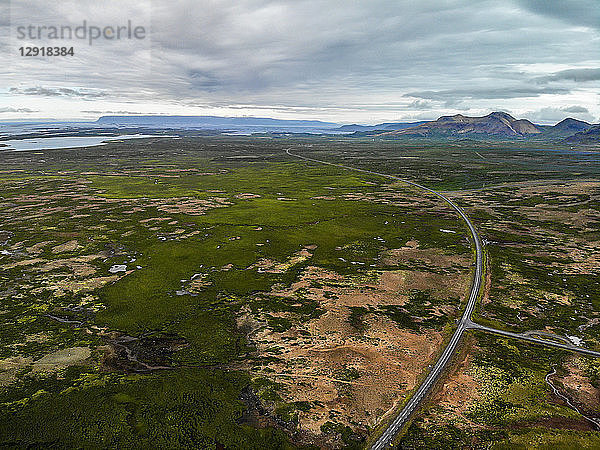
(565, 128)
(254, 124)
(496, 125)
(381, 126)
(590, 135)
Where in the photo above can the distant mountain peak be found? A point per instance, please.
(565, 128)
(590, 135)
(570, 122)
(498, 124)
(455, 117)
(501, 115)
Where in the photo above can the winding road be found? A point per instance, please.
(387, 437)
(527, 337)
(411, 405)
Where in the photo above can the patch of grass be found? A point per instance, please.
(187, 408)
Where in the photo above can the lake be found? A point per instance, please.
(42, 143)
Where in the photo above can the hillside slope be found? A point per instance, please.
(565, 128)
(589, 136)
(497, 124)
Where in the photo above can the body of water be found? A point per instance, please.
(43, 143)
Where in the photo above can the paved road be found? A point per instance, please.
(528, 337)
(388, 435)
(386, 439)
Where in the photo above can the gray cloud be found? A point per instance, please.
(57, 92)
(420, 104)
(553, 115)
(576, 12)
(575, 109)
(455, 95)
(577, 75)
(123, 112)
(332, 58)
(11, 109)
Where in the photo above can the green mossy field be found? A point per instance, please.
(143, 257)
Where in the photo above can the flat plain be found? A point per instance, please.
(214, 291)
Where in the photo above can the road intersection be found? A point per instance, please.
(387, 437)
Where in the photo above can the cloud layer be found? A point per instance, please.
(327, 59)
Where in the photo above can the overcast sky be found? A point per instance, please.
(345, 61)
